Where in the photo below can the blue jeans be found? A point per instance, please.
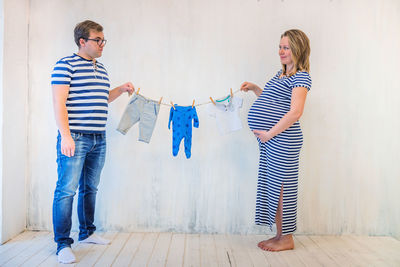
(82, 169)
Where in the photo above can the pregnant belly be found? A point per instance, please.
(264, 115)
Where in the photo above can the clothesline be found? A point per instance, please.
(167, 104)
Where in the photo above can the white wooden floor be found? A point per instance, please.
(169, 249)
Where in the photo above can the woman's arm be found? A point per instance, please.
(247, 86)
(299, 95)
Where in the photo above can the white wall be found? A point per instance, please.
(1, 118)
(183, 50)
(14, 126)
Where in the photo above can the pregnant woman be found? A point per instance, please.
(274, 120)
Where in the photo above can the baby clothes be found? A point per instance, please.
(143, 111)
(181, 118)
(226, 113)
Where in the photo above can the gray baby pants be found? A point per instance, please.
(143, 111)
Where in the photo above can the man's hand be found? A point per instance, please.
(67, 146)
(118, 91)
(127, 87)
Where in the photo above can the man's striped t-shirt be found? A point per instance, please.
(87, 102)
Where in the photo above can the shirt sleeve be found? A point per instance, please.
(302, 79)
(62, 73)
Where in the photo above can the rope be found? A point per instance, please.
(169, 105)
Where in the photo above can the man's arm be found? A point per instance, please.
(60, 95)
(117, 91)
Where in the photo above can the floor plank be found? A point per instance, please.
(333, 250)
(145, 250)
(392, 246)
(176, 250)
(160, 252)
(239, 250)
(382, 250)
(310, 254)
(169, 249)
(208, 251)
(113, 250)
(22, 251)
(256, 254)
(48, 249)
(129, 250)
(18, 240)
(92, 253)
(192, 250)
(347, 249)
(363, 252)
(224, 251)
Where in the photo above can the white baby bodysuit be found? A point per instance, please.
(226, 114)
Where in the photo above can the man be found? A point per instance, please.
(81, 93)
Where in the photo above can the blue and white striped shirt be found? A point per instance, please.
(87, 102)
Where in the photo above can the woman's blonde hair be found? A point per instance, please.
(300, 47)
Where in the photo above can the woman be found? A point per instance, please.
(273, 118)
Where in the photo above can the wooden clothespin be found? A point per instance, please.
(193, 103)
(159, 102)
(137, 92)
(231, 93)
(172, 104)
(212, 100)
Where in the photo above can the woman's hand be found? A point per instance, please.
(264, 136)
(248, 86)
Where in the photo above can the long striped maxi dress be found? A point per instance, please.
(279, 157)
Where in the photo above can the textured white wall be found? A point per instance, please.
(1, 118)
(195, 49)
(14, 123)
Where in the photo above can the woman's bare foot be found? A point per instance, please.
(284, 242)
(264, 243)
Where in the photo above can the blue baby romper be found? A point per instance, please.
(181, 118)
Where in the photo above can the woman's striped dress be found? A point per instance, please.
(279, 157)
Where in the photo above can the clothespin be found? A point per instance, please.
(231, 93)
(159, 102)
(212, 100)
(137, 92)
(172, 104)
(193, 103)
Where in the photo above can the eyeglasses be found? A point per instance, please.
(100, 42)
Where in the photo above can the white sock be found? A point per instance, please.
(95, 239)
(66, 255)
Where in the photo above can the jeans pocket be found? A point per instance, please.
(155, 109)
(133, 100)
(76, 136)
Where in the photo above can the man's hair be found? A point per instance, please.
(300, 46)
(82, 30)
